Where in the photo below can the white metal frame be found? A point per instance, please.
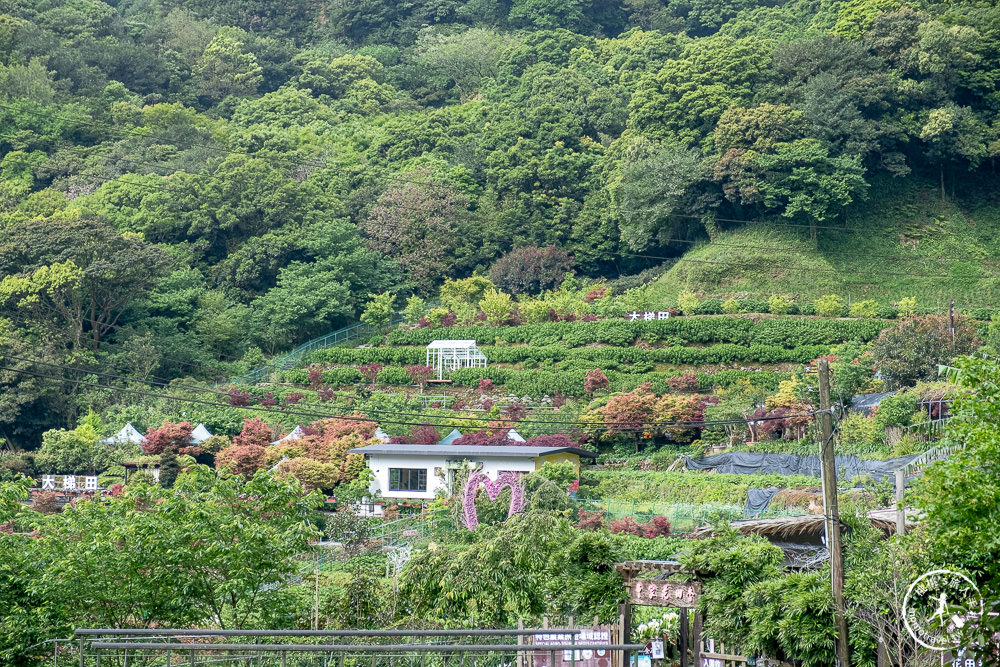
(445, 356)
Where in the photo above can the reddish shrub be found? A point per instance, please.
(596, 294)
(595, 380)
(420, 374)
(325, 394)
(46, 502)
(514, 411)
(590, 520)
(239, 398)
(425, 434)
(315, 377)
(485, 437)
(554, 440)
(485, 385)
(627, 525)
(448, 320)
(558, 400)
(684, 382)
(370, 372)
(294, 397)
(170, 435)
(254, 433)
(268, 400)
(658, 526)
(243, 459)
(589, 317)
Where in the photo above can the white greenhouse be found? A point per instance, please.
(445, 356)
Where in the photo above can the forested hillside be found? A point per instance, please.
(189, 185)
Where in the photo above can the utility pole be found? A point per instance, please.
(831, 511)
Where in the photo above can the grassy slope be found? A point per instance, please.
(903, 228)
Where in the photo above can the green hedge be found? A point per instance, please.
(596, 356)
(783, 331)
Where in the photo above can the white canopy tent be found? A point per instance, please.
(127, 434)
(445, 356)
(451, 437)
(200, 434)
(294, 435)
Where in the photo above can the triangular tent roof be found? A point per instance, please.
(127, 434)
(381, 435)
(294, 435)
(451, 437)
(200, 434)
(515, 436)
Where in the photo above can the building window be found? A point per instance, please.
(407, 479)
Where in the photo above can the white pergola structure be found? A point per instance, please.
(445, 356)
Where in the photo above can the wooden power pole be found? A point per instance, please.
(831, 511)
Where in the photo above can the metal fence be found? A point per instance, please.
(330, 648)
(293, 358)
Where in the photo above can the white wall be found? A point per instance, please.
(381, 463)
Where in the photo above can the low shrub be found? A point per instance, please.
(867, 309)
(709, 307)
(829, 305)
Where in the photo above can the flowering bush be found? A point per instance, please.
(668, 625)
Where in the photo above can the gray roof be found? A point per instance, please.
(866, 403)
(471, 451)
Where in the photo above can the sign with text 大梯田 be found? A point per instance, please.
(656, 593)
(647, 316)
(570, 657)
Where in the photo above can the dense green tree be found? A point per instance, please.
(226, 67)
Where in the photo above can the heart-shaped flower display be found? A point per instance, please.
(493, 489)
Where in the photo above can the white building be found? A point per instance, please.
(420, 471)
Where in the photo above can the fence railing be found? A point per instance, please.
(290, 359)
(930, 456)
(334, 648)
